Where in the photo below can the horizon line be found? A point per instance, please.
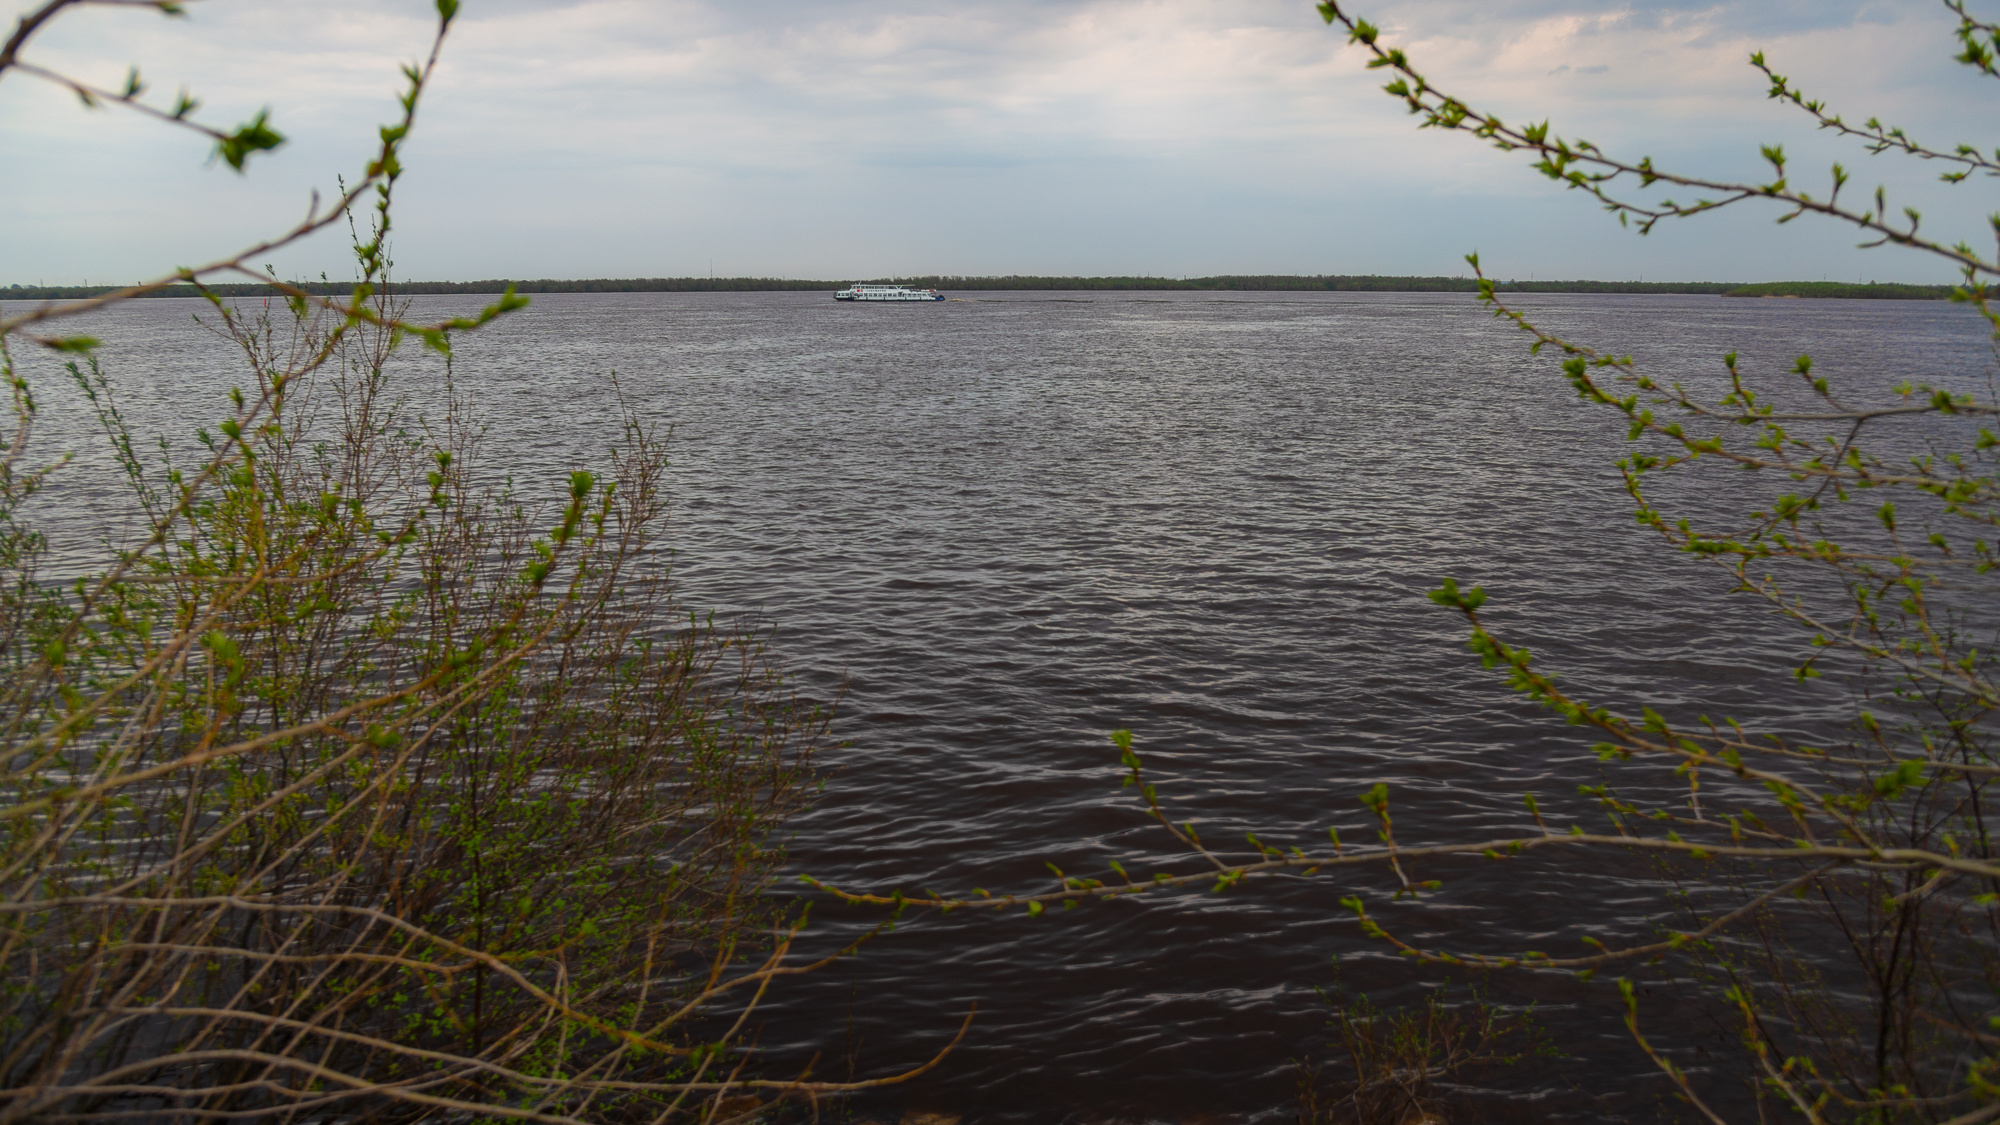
(1029, 283)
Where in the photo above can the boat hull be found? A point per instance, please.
(883, 293)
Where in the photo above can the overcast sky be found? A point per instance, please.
(854, 138)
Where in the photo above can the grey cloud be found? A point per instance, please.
(940, 158)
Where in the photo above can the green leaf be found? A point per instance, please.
(254, 135)
(1904, 776)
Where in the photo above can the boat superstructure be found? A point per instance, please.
(859, 292)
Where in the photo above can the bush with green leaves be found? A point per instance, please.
(356, 785)
(1781, 865)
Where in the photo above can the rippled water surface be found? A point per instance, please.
(1010, 524)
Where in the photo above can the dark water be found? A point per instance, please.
(1010, 524)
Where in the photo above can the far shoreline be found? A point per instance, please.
(1251, 283)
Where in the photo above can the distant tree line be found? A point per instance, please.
(1343, 283)
(1885, 290)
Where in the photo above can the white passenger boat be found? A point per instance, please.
(885, 293)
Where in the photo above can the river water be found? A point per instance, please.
(1007, 524)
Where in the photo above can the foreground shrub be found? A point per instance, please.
(357, 785)
(357, 777)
